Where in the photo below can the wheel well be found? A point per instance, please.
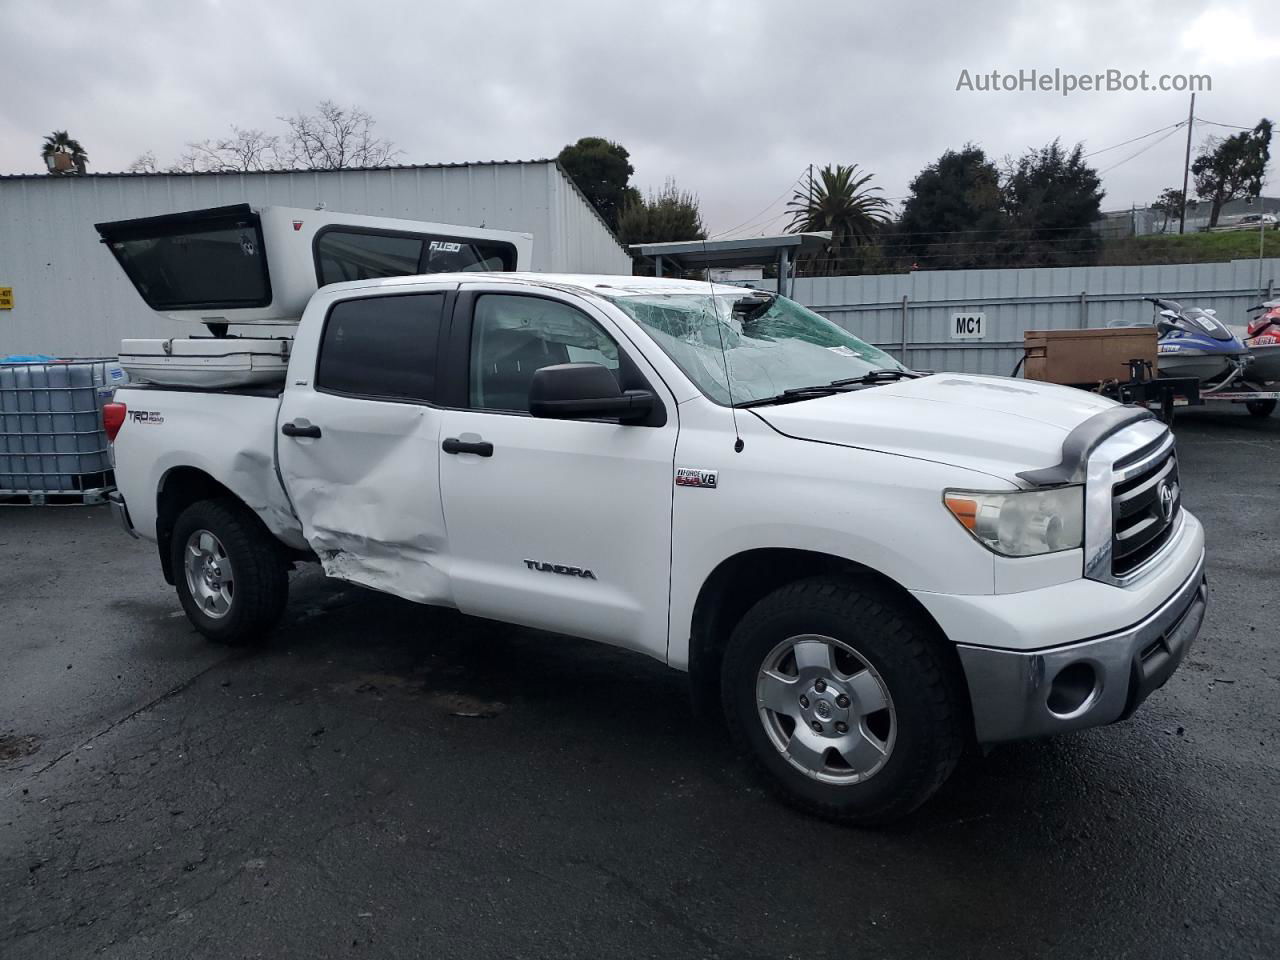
(179, 488)
(742, 580)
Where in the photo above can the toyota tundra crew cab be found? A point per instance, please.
(866, 566)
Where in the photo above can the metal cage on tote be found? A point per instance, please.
(52, 444)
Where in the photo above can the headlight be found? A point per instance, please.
(1021, 523)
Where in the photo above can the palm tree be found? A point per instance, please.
(60, 144)
(842, 202)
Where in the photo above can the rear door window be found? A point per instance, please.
(382, 348)
(199, 260)
(348, 254)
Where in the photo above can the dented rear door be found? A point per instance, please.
(359, 441)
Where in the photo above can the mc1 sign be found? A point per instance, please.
(968, 326)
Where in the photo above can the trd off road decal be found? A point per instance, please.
(146, 416)
(693, 477)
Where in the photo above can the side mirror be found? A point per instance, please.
(585, 391)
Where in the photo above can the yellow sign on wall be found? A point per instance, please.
(6, 298)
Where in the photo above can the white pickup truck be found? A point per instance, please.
(866, 566)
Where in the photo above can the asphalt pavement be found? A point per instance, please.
(397, 781)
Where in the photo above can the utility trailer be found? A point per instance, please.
(1091, 359)
(1259, 402)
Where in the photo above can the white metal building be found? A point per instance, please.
(70, 298)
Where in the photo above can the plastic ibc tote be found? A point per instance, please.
(51, 436)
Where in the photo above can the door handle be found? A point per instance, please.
(296, 429)
(481, 448)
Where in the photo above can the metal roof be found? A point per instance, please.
(734, 253)
(237, 173)
(321, 170)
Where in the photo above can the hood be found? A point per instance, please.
(995, 425)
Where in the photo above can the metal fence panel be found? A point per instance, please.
(1016, 300)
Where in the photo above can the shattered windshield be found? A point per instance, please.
(758, 350)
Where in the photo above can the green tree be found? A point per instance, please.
(840, 200)
(954, 216)
(1053, 198)
(602, 170)
(1170, 204)
(667, 216)
(62, 154)
(1232, 168)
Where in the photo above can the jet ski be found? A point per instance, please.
(1262, 337)
(1195, 343)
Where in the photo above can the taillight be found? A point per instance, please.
(113, 418)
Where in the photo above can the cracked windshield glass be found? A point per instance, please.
(741, 346)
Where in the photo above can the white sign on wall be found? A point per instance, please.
(968, 326)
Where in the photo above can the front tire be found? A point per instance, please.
(231, 576)
(844, 701)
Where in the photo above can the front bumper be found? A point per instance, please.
(1018, 694)
(121, 512)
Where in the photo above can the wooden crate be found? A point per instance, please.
(1086, 356)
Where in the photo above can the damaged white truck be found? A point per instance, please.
(867, 567)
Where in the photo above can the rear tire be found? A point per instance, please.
(1260, 408)
(231, 575)
(845, 702)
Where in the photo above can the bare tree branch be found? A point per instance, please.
(246, 150)
(145, 163)
(332, 138)
(335, 138)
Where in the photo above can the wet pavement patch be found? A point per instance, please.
(13, 747)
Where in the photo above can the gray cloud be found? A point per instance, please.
(733, 99)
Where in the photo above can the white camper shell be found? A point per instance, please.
(241, 265)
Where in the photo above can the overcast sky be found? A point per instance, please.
(733, 98)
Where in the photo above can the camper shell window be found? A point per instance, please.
(210, 259)
(349, 253)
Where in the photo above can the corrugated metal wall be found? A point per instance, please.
(1013, 301)
(71, 299)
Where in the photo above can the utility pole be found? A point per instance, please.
(1186, 166)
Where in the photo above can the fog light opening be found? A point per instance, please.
(1073, 689)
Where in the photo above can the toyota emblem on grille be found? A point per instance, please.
(1166, 501)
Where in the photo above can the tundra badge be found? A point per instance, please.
(560, 569)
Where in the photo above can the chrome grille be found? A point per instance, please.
(1144, 513)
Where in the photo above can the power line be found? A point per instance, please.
(755, 216)
(1125, 143)
(1215, 123)
(759, 225)
(1143, 150)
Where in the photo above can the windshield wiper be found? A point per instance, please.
(796, 393)
(880, 375)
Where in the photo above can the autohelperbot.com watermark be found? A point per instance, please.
(1065, 82)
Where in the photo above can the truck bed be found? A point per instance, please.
(228, 434)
